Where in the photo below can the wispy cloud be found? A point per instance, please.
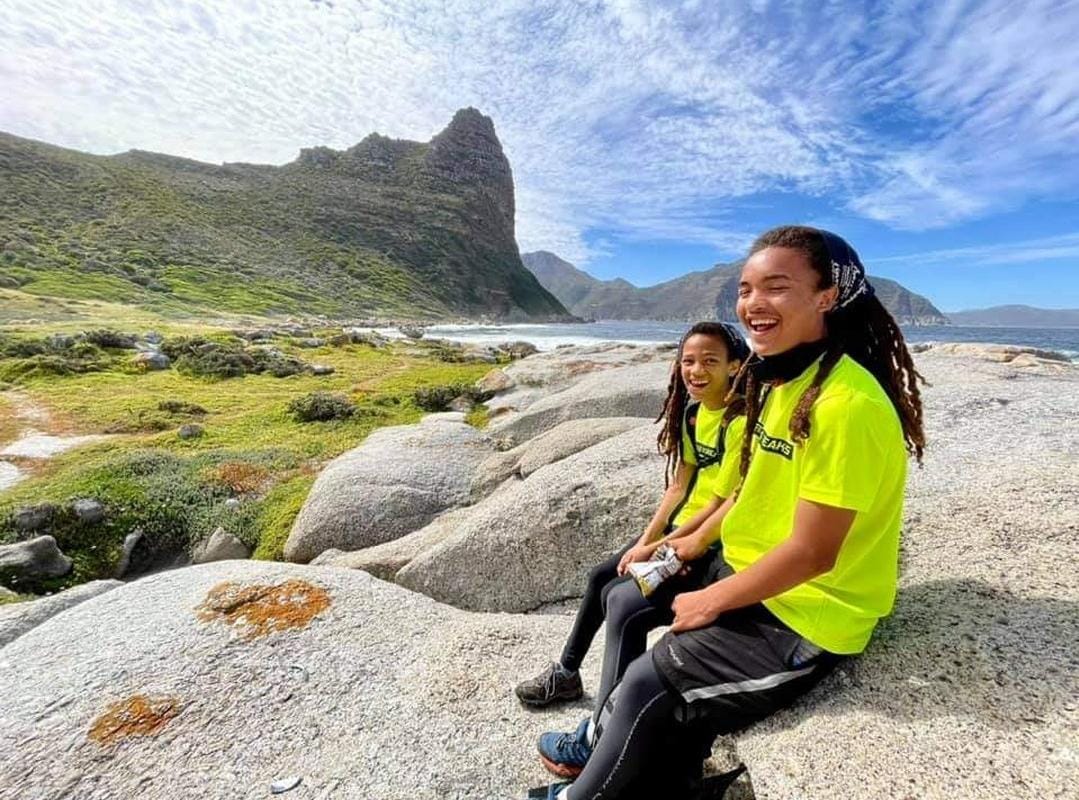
(1029, 251)
(640, 119)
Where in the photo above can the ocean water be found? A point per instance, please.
(548, 337)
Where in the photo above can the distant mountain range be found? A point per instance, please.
(708, 294)
(1018, 316)
(387, 228)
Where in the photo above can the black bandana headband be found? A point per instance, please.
(737, 349)
(848, 274)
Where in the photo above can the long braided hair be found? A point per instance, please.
(864, 330)
(673, 413)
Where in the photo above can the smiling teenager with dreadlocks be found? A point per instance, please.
(810, 537)
(699, 429)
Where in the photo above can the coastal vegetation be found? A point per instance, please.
(231, 435)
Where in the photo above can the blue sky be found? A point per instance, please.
(646, 138)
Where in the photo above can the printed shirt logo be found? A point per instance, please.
(706, 455)
(773, 444)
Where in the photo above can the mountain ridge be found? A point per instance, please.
(702, 294)
(1017, 315)
(385, 228)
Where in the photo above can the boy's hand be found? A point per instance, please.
(694, 610)
(639, 552)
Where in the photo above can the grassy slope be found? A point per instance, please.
(175, 489)
(373, 232)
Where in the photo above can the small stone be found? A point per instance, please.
(285, 784)
(232, 503)
(461, 404)
(34, 518)
(89, 511)
(322, 369)
(518, 349)
(152, 361)
(130, 541)
(368, 337)
(190, 431)
(411, 331)
(39, 557)
(495, 381)
(220, 546)
(311, 342)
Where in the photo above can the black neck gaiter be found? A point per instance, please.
(788, 365)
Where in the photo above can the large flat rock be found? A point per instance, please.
(534, 541)
(381, 694)
(561, 441)
(638, 390)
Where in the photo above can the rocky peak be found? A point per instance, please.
(467, 152)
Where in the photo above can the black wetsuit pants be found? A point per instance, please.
(660, 723)
(629, 617)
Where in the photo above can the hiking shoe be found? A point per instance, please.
(554, 684)
(548, 792)
(565, 754)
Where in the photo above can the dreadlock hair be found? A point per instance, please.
(669, 441)
(864, 330)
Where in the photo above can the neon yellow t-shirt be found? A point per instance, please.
(854, 458)
(716, 479)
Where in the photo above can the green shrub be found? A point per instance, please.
(227, 359)
(79, 359)
(177, 346)
(181, 407)
(216, 362)
(23, 348)
(321, 407)
(141, 421)
(277, 364)
(438, 398)
(110, 340)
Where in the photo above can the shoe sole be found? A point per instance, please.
(544, 703)
(560, 770)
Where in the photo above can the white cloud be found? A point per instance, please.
(1029, 251)
(641, 119)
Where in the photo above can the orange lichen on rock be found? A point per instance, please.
(139, 715)
(257, 610)
(241, 476)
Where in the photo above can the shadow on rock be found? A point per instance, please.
(961, 647)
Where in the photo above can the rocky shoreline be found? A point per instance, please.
(967, 691)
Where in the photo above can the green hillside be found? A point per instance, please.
(386, 229)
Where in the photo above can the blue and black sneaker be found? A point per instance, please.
(565, 754)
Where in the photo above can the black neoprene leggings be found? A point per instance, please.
(629, 617)
(641, 745)
(590, 614)
(658, 727)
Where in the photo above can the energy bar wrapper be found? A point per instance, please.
(651, 574)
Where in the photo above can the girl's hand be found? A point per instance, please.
(694, 610)
(688, 548)
(639, 552)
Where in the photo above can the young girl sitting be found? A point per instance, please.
(810, 537)
(699, 430)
